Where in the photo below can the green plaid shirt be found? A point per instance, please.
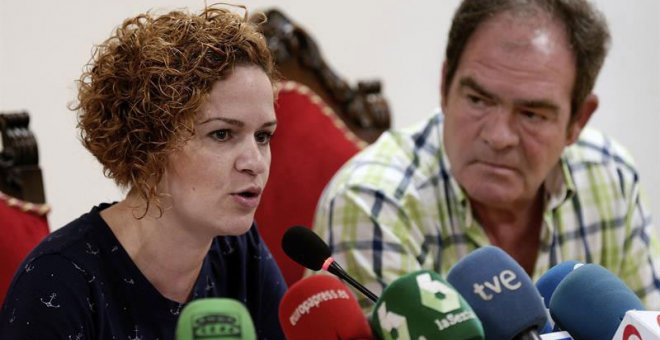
(395, 208)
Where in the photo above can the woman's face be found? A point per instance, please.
(214, 182)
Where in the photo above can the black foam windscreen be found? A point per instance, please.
(305, 247)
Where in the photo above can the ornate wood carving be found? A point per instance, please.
(363, 108)
(20, 175)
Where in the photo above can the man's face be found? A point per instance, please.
(507, 109)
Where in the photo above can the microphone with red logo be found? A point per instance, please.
(306, 248)
(322, 307)
(592, 303)
(500, 293)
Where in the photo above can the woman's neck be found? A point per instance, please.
(167, 254)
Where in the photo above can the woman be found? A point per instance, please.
(179, 110)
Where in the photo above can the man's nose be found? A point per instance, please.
(499, 131)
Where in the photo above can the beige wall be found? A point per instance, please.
(43, 45)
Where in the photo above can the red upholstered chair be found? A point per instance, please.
(22, 212)
(322, 122)
(23, 226)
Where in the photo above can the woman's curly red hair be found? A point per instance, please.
(139, 94)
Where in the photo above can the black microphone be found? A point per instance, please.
(310, 251)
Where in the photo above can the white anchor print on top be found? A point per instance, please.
(137, 334)
(90, 249)
(29, 267)
(177, 310)
(49, 303)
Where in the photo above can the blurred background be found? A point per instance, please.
(44, 45)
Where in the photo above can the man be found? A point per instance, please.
(507, 162)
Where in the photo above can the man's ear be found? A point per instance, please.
(443, 87)
(584, 113)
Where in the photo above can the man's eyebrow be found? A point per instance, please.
(472, 84)
(544, 104)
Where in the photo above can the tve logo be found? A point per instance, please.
(505, 279)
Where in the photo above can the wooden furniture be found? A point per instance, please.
(20, 175)
(322, 122)
(23, 222)
(362, 108)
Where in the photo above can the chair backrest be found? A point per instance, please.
(20, 175)
(322, 122)
(23, 220)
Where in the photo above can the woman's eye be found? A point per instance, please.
(221, 135)
(263, 137)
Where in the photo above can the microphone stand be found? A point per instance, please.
(529, 334)
(337, 270)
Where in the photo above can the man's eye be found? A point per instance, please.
(476, 101)
(533, 116)
(263, 137)
(221, 135)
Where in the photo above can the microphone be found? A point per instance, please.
(215, 318)
(422, 305)
(501, 294)
(637, 325)
(307, 249)
(590, 303)
(322, 307)
(548, 282)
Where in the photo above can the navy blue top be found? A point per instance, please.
(80, 283)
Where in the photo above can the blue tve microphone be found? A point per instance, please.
(590, 303)
(500, 293)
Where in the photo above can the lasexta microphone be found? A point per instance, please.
(215, 318)
(500, 293)
(422, 305)
(322, 307)
(590, 303)
(309, 250)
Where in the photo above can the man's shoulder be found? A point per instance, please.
(595, 148)
(411, 153)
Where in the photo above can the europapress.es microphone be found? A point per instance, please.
(422, 305)
(306, 248)
(215, 318)
(501, 294)
(322, 307)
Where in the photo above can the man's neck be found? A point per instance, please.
(516, 230)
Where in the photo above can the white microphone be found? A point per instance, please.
(638, 325)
